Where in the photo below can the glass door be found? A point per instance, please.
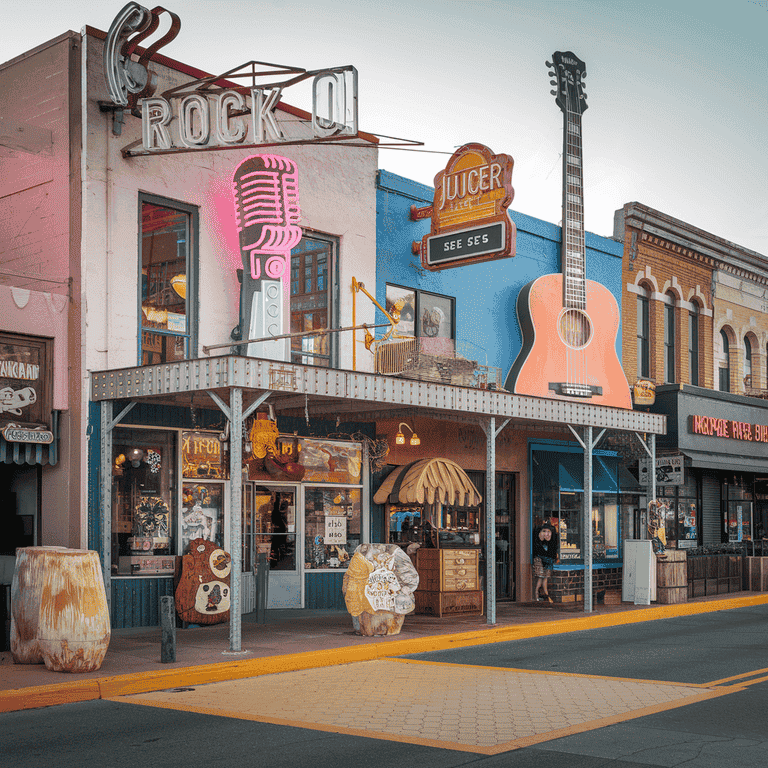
(275, 531)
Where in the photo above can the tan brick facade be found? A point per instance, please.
(676, 265)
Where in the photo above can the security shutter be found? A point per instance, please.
(711, 518)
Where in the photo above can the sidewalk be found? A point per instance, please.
(302, 639)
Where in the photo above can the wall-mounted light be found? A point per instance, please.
(400, 437)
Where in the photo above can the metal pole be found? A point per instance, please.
(105, 472)
(490, 521)
(235, 514)
(587, 520)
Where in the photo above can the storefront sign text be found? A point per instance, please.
(25, 384)
(469, 212)
(735, 430)
(15, 434)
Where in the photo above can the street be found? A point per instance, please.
(691, 690)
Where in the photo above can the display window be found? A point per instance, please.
(202, 513)
(202, 456)
(739, 503)
(557, 498)
(332, 526)
(681, 519)
(143, 502)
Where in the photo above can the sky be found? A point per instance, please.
(677, 94)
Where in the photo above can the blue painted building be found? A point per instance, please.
(485, 293)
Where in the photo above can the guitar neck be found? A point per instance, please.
(573, 260)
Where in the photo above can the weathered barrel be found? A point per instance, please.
(59, 613)
(672, 578)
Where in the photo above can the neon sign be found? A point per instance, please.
(266, 195)
(735, 430)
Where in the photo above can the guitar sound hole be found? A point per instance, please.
(575, 328)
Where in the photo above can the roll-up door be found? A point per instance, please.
(711, 517)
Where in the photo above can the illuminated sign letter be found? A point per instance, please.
(155, 116)
(330, 89)
(193, 120)
(229, 131)
(265, 127)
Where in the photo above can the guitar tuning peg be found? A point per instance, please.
(553, 82)
(549, 63)
(583, 75)
(554, 93)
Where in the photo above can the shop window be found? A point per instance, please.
(144, 502)
(739, 504)
(558, 497)
(669, 338)
(681, 518)
(429, 316)
(693, 344)
(332, 526)
(643, 334)
(311, 303)
(167, 254)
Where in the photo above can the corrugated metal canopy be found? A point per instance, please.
(429, 480)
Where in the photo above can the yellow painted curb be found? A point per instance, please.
(157, 680)
(48, 695)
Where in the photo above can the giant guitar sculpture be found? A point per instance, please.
(569, 324)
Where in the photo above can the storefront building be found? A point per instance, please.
(696, 327)
(539, 476)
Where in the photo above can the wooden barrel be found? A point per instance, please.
(59, 613)
(672, 578)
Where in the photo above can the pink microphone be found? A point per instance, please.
(266, 190)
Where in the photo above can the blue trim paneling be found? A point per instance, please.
(323, 590)
(136, 602)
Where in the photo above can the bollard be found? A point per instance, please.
(168, 627)
(262, 587)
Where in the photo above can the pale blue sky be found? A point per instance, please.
(677, 89)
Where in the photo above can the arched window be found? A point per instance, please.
(643, 334)
(747, 358)
(693, 344)
(669, 338)
(725, 363)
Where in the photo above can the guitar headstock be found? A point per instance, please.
(569, 72)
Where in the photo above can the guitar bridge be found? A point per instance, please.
(575, 390)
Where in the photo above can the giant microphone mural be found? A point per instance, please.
(266, 192)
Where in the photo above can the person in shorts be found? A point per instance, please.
(544, 558)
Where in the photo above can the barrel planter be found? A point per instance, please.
(59, 613)
(672, 578)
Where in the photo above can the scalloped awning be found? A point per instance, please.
(428, 481)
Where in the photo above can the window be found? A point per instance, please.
(669, 338)
(643, 335)
(693, 344)
(747, 362)
(725, 363)
(144, 502)
(424, 314)
(167, 252)
(311, 262)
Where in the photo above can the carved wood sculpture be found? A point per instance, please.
(378, 588)
(203, 591)
(59, 615)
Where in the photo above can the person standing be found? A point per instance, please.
(544, 558)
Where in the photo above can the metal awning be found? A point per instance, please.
(429, 480)
(708, 460)
(299, 390)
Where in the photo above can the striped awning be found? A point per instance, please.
(428, 481)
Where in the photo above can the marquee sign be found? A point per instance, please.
(735, 430)
(469, 213)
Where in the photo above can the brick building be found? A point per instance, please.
(695, 321)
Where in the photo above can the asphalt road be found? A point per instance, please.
(708, 649)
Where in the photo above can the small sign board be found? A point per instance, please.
(335, 529)
(670, 470)
(458, 245)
